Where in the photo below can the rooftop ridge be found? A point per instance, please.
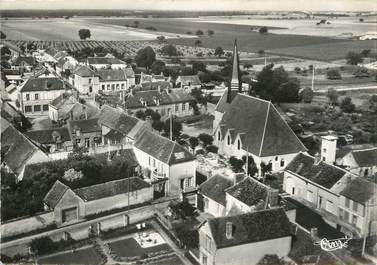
(264, 129)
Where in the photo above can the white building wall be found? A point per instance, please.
(214, 208)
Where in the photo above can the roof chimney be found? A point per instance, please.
(328, 148)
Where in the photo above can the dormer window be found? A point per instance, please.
(229, 230)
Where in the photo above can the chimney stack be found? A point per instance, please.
(328, 148)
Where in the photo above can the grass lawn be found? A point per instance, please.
(84, 256)
(130, 248)
(171, 261)
(308, 219)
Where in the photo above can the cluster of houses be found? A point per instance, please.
(247, 218)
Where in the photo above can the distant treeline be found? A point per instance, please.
(119, 13)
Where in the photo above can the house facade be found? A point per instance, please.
(115, 80)
(71, 206)
(244, 239)
(85, 133)
(106, 63)
(37, 93)
(51, 140)
(85, 80)
(361, 162)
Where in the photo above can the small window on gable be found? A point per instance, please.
(276, 158)
(238, 144)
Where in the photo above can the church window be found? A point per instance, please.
(238, 144)
(228, 140)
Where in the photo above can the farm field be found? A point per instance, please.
(309, 47)
(63, 29)
(83, 256)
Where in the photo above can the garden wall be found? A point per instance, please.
(28, 224)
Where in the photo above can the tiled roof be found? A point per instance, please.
(16, 149)
(162, 149)
(151, 97)
(117, 120)
(111, 188)
(29, 60)
(55, 194)
(65, 98)
(360, 190)
(43, 84)
(189, 79)
(266, 132)
(48, 136)
(250, 227)
(222, 106)
(84, 71)
(85, 126)
(9, 112)
(249, 191)
(104, 60)
(123, 155)
(365, 158)
(214, 188)
(155, 85)
(322, 173)
(112, 75)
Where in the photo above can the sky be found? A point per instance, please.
(204, 5)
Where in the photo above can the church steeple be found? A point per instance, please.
(235, 82)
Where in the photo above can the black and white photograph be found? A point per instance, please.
(188, 132)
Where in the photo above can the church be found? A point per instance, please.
(249, 125)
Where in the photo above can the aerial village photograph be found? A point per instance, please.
(188, 132)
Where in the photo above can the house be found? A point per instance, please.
(246, 125)
(24, 63)
(116, 79)
(211, 195)
(51, 140)
(106, 63)
(11, 114)
(358, 207)
(361, 162)
(154, 86)
(168, 165)
(71, 206)
(167, 102)
(37, 93)
(85, 80)
(17, 151)
(244, 239)
(14, 76)
(65, 64)
(67, 107)
(145, 78)
(188, 82)
(85, 133)
(119, 128)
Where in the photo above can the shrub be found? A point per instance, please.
(206, 139)
(236, 164)
(43, 245)
(212, 149)
(346, 105)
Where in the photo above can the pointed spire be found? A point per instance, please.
(235, 83)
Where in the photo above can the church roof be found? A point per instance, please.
(265, 131)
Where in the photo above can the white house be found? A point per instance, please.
(188, 82)
(244, 239)
(106, 63)
(85, 80)
(361, 162)
(112, 80)
(168, 165)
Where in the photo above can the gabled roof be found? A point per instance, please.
(366, 157)
(222, 106)
(123, 155)
(119, 121)
(111, 188)
(16, 149)
(250, 227)
(54, 195)
(84, 71)
(65, 98)
(214, 188)
(162, 149)
(189, 79)
(112, 75)
(22, 60)
(43, 84)
(322, 173)
(155, 85)
(48, 136)
(266, 132)
(85, 126)
(360, 190)
(249, 191)
(104, 60)
(152, 97)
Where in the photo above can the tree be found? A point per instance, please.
(354, 58)
(199, 32)
(333, 96)
(306, 95)
(373, 103)
(158, 125)
(211, 32)
(136, 23)
(169, 50)
(145, 57)
(288, 91)
(212, 149)
(161, 39)
(252, 167)
(365, 52)
(158, 67)
(177, 128)
(140, 114)
(198, 43)
(263, 30)
(2, 35)
(333, 74)
(84, 34)
(72, 175)
(265, 168)
(219, 51)
(346, 105)
(42, 245)
(198, 66)
(206, 139)
(194, 142)
(236, 164)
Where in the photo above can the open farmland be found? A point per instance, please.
(310, 47)
(63, 29)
